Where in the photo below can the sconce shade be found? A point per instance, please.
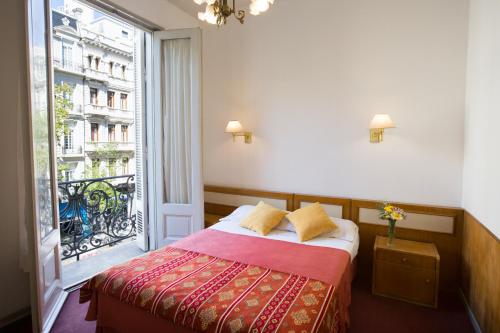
(234, 126)
(382, 121)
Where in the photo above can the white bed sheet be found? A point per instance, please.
(288, 236)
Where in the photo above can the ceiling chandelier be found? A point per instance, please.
(217, 11)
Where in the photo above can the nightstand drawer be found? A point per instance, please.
(406, 259)
(404, 282)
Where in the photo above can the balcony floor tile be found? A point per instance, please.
(75, 272)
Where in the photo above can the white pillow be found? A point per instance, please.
(347, 230)
(243, 211)
(239, 213)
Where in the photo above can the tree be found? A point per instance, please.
(62, 106)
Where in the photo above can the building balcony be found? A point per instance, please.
(95, 213)
(120, 115)
(77, 111)
(66, 67)
(94, 74)
(97, 147)
(75, 151)
(97, 110)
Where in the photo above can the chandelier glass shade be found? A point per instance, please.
(218, 11)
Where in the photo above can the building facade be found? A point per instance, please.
(94, 55)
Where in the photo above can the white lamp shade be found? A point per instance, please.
(234, 126)
(382, 121)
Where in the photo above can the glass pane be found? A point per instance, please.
(176, 120)
(40, 121)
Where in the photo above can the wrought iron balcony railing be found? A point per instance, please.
(95, 213)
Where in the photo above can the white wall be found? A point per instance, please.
(160, 12)
(14, 286)
(307, 80)
(481, 194)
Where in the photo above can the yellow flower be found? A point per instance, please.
(388, 208)
(396, 216)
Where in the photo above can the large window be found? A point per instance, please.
(124, 133)
(123, 101)
(67, 55)
(111, 133)
(111, 99)
(93, 96)
(125, 169)
(68, 138)
(112, 167)
(94, 132)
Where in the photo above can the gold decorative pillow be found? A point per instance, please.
(311, 221)
(263, 218)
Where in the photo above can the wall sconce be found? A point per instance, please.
(377, 126)
(236, 129)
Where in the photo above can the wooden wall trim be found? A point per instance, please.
(481, 273)
(253, 193)
(455, 213)
(344, 202)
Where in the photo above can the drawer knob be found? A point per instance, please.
(427, 281)
(404, 259)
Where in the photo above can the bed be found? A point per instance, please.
(228, 279)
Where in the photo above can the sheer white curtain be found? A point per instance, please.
(176, 117)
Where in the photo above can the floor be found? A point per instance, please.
(369, 314)
(75, 272)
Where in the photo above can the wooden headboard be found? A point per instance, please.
(442, 226)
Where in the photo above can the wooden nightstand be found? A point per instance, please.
(406, 270)
(211, 219)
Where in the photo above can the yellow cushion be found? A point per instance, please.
(311, 221)
(263, 218)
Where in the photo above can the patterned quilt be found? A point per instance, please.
(211, 294)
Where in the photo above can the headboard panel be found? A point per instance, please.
(335, 207)
(223, 200)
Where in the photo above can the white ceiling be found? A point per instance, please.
(192, 8)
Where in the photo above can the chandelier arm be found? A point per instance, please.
(240, 14)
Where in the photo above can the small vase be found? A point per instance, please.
(391, 231)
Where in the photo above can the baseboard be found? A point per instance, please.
(472, 318)
(14, 317)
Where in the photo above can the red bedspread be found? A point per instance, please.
(220, 282)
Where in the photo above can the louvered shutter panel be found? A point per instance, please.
(140, 168)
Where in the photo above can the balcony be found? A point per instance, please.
(67, 67)
(68, 152)
(95, 213)
(96, 147)
(97, 110)
(94, 74)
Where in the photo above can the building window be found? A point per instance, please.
(124, 71)
(68, 175)
(93, 96)
(111, 64)
(68, 138)
(111, 99)
(97, 61)
(125, 166)
(96, 164)
(124, 133)
(94, 132)
(111, 133)
(89, 58)
(123, 101)
(112, 167)
(67, 56)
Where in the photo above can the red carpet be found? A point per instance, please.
(369, 313)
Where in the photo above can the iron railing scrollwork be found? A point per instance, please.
(94, 213)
